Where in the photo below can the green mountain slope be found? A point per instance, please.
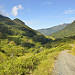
(17, 28)
(18, 21)
(68, 31)
(52, 29)
(19, 35)
(24, 51)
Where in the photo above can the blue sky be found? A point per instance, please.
(39, 14)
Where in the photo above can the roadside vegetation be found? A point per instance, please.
(24, 51)
(73, 50)
(15, 59)
(68, 31)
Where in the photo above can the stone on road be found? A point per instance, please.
(65, 64)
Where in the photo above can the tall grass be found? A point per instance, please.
(73, 50)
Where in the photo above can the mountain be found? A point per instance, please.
(19, 33)
(18, 21)
(4, 18)
(51, 30)
(23, 50)
(19, 46)
(68, 31)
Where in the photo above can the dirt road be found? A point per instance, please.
(65, 64)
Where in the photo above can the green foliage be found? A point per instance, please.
(24, 51)
(5, 30)
(35, 63)
(28, 45)
(51, 30)
(73, 50)
(40, 38)
(18, 21)
(68, 31)
(10, 48)
(3, 18)
(29, 65)
(46, 65)
(16, 27)
(17, 40)
(2, 57)
(20, 66)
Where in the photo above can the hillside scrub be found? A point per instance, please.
(24, 51)
(68, 31)
(34, 63)
(73, 50)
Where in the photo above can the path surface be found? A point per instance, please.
(65, 64)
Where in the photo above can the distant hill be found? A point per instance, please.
(51, 30)
(3, 18)
(68, 31)
(24, 50)
(19, 29)
(18, 21)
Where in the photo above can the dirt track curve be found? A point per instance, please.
(65, 64)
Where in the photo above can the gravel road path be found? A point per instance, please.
(65, 64)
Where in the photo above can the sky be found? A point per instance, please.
(39, 14)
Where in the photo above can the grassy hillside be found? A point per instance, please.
(24, 51)
(17, 28)
(35, 63)
(51, 30)
(73, 49)
(68, 31)
(16, 37)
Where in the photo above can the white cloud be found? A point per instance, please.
(61, 23)
(46, 3)
(20, 7)
(15, 10)
(69, 11)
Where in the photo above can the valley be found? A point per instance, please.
(53, 29)
(24, 51)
